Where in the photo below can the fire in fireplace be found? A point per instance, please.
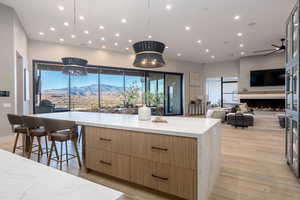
(265, 104)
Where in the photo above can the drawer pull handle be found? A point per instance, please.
(159, 148)
(106, 140)
(159, 177)
(105, 163)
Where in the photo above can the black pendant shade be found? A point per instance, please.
(149, 54)
(75, 66)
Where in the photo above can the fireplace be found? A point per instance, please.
(265, 104)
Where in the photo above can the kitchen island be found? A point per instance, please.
(181, 157)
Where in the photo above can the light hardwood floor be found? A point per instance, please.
(253, 168)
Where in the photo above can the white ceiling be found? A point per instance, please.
(211, 21)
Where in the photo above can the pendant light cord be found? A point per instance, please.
(75, 15)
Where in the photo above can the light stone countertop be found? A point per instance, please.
(177, 125)
(24, 179)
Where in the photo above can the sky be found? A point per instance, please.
(58, 80)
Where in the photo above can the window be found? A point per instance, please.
(52, 90)
(173, 91)
(84, 91)
(105, 89)
(213, 91)
(111, 88)
(222, 92)
(134, 94)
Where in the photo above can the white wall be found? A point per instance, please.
(54, 52)
(13, 38)
(248, 64)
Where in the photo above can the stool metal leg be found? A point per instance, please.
(56, 152)
(50, 153)
(46, 143)
(67, 156)
(30, 147)
(16, 142)
(40, 151)
(77, 152)
(61, 155)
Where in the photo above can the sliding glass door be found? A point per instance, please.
(106, 89)
(173, 91)
(52, 90)
(111, 88)
(84, 91)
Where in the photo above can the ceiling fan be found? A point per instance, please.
(274, 50)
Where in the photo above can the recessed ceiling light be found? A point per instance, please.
(102, 38)
(86, 32)
(73, 36)
(61, 40)
(213, 57)
(199, 41)
(178, 54)
(60, 7)
(130, 41)
(242, 53)
(103, 47)
(239, 34)
(237, 17)
(66, 24)
(207, 50)
(101, 27)
(149, 36)
(52, 29)
(166, 47)
(41, 33)
(187, 28)
(116, 44)
(117, 34)
(168, 7)
(124, 21)
(90, 42)
(241, 45)
(81, 17)
(127, 48)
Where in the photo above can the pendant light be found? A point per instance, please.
(73, 65)
(149, 54)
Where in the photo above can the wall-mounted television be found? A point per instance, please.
(273, 77)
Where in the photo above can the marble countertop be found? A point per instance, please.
(179, 126)
(23, 179)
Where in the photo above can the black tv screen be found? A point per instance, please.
(274, 77)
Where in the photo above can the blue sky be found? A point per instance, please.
(57, 80)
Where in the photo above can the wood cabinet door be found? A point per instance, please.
(184, 152)
(159, 148)
(163, 177)
(121, 142)
(106, 162)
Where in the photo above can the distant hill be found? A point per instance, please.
(90, 90)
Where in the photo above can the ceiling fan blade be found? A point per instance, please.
(261, 51)
(276, 46)
(271, 52)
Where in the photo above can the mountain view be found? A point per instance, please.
(85, 97)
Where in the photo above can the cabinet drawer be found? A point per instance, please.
(108, 163)
(177, 151)
(118, 141)
(173, 180)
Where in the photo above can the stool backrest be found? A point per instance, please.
(32, 122)
(53, 125)
(15, 119)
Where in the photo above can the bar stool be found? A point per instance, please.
(35, 130)
(62, 131)
(18, 127)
